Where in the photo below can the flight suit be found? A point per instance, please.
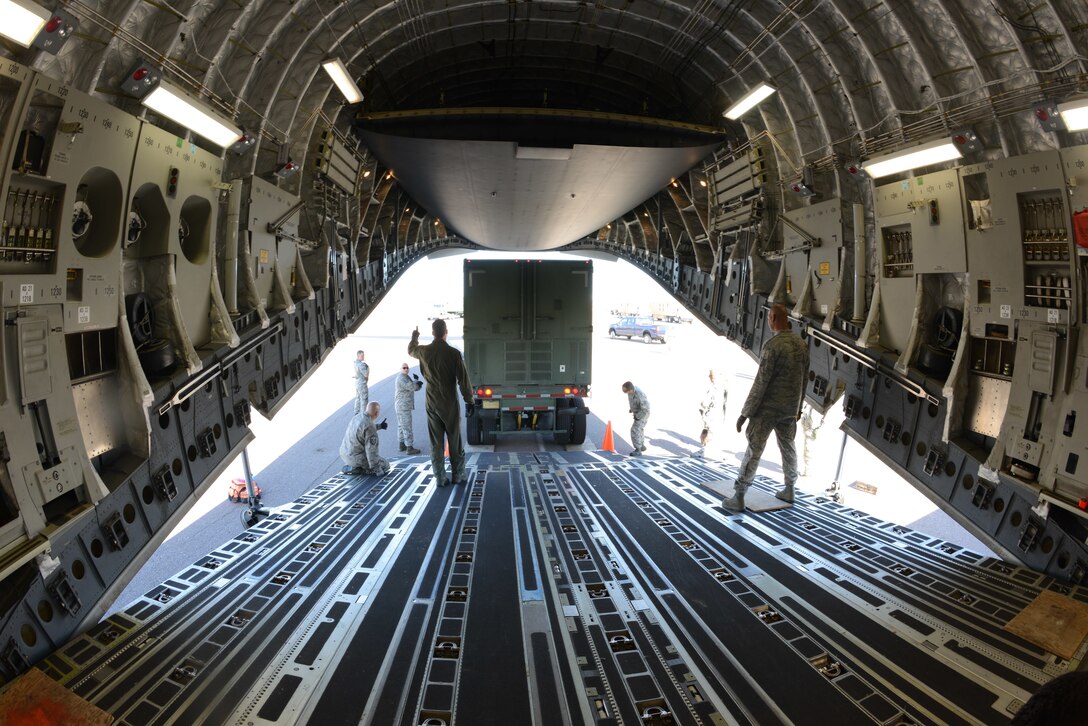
(404, 402)
(362, 390)
(444, 370)
(774, 404)
(359, 449)
(639, 405)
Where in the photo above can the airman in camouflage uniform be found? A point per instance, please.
(639, 406)
(774, 404)
(359, 450)
(712, 409)
(404, 402)
(362, 377)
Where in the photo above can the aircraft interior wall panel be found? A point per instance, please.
(307, 331)
(1075, 161)
(100, 415)
(170, 190)
(14, 80)
(1070, 459)
(270, 382)
(1037, 540)
(728, 304)
(823, 376)
(202, 428)
(90, 137)
(705, 295)
(156, 492)
(894, 420)
(266, 203)
(168, 449)
(897, 295)
(934, 463)
(824, 221)
(937, 223)
(1011, 278)
(983, 502)
(758, 307)
(1031, 415)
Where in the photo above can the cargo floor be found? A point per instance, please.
(554, 588)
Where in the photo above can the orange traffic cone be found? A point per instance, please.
(607, 444)
(447, 448)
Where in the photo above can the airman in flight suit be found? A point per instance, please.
(444, 370)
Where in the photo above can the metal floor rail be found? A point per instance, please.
(567, 588)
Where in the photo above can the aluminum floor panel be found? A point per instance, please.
(559, 588)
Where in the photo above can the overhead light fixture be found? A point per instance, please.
(22, 20)
(748, 102)
(933, 152)
(338, 72)
(1074, 114)
(170, 102)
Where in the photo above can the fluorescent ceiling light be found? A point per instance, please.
(194, 115)
(22, 20)
(917, 156)
(1075, 114)
(749, 101)
(340, 76)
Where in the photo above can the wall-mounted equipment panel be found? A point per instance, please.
(920, 225)
(173, 205)
(1014, 226)
(90, 138)
(812, 242)
(270, 216)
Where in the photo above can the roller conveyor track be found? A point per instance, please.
(567, 588)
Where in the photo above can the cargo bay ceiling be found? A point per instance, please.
(854, 78)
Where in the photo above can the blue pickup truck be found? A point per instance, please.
(633, 326)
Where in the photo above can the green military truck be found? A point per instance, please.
(528, 330)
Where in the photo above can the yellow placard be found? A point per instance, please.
(264, 257)
(825, 268)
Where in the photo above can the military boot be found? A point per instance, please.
(786, 494)
(735, 503)
(412, 450)
(402, 446)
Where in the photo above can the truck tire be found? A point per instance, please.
(578, 434)
(612, 333)
(562, 435)
(647, 338)
(487, 432)
(472, 430)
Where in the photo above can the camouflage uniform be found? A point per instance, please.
(809, 427)
(774, 404)
(359, 450)
(362, 390)
(404, 402)
(712, 408)
(639, 405)
(444, 370)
